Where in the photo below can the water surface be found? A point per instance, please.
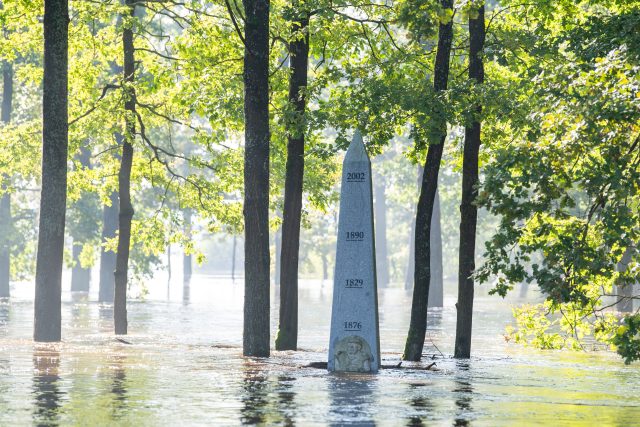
(184, 366)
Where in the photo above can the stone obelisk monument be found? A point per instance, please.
(355, 344)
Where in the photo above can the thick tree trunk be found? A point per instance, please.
(186, 258)
(80, 277)
(380, 216)
(53, 196)
(299, 60)
(256, 179)
(124, 182)
(5, 199)
(108, 258)
(468, 209)
(418, 324)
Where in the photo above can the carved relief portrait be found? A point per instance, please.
(353, 354)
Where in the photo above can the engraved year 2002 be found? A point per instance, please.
(355, 176)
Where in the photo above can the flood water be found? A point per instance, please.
(184, 366)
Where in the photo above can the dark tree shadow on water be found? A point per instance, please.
(46, 388)
(463, 392)
(420, 403)
(352, 399)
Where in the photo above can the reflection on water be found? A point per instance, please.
(46, 390)
(119, 387)
(352, 399)
(254, 397)
(420, 401)
(463, 392)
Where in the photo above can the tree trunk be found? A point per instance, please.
(299, 61)
(108, 258)
(418, 324)
(436, 290)
(256, 179)
(625, 293)
(80, 277)
(53, 196)
(124, 182)
(5, 199)
(233, 258)
(380, 216)
(411, 265)
(186, 258)
(277, 237)
(468, 209)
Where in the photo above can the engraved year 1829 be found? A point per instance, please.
(354, 283)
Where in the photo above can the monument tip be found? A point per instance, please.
(356, 151)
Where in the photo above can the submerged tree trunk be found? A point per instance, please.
(380, 216)
(287, 338)
(256, 179)
(5, 200)
(80, 276)
(418, 324)
(186, 258)
(468, 209)
(124, 182)
(53, 195)
(233, 258)
(108, 258)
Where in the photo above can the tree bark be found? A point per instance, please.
(108, 258)
(53, 198)
(299, 61)
(380, 216)
(468, 209)
(80, 277)
(5, 199)
(256, 179)
(422, 277)
(124, 181)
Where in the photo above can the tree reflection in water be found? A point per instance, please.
(46, 388)
(463, 394)
(352, 399)
(422, 405)
(254, 397)
(118, 387)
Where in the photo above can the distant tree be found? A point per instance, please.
(5, 198)
(47, 322)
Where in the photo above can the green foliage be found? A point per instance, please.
(627, 339)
